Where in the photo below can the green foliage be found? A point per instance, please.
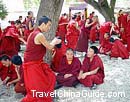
(3, 10)
(31, 3)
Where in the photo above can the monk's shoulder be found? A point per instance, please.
(76, 59)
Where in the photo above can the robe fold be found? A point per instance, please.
(66, 68)
(128, 35)
(119, 50)
(88, 66)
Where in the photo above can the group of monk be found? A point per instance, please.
(72, 35)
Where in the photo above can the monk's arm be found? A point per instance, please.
(6, 79)
(16, 80)
(92, 72)
(40, 39)
(30, 26)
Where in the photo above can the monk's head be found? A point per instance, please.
(44, 24)
(16, 60)
(30, 14)
(5, 60)
(18, 24)
(93, 50)
(106, 35)
(69, 54)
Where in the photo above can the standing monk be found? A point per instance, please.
(92, 71)
(37, 74)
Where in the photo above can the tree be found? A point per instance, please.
(3, 10)
(52, 9)
(106, 9)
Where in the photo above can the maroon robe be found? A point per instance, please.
(128, 35)
(88, 66)
(105, 46)
(66, 68)
(119, 50)
(82, 44)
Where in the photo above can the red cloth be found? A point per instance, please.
(90, 66)
(72, 35)
(105, 28)
(82, 44)
(119, 50)
(128, 35)
(60, 52)
(10, 43)
(93, 32)
(7, 71)
(43, 81)
(105, 46)
(37, 74)
(66, 68)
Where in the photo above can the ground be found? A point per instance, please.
(116, 87)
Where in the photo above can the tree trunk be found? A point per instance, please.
(104, 8)
(52, 9)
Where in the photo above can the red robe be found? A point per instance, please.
(62, 28)
(93, 32)
(60, 52)
(119, 50)
(37, 74)
(105, 28)
(88, 66)
(7, 71)
(72, 35)
(105, 46)
(10, 43)
(128, 35)
(66, 68)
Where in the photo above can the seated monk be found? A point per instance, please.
(68, 70)
(19, 87)
(106, 45)
(7, 70)
(92, 71)
(118, 49)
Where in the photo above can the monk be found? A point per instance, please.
(93, 31)
(57, 56)
(68, 70)
(19, 87)
(119, 50)
(62, 26)
(92, 71)
(29, 24)
(128, 32)
(106, 45)
(10, 41)
(38, 76)
(72, 33)
(7, 70)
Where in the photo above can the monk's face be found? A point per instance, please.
(90, 53)
(6, 63)
(106, 36)
(46, 27)
(69, 55)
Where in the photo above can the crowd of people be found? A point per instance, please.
(72, 35)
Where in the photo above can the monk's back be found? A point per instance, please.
(34, 52)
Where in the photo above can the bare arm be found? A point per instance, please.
(30, 26)
(92, 72)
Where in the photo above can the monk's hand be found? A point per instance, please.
(122, 30)
(80, 76)
(67, 75)
(9, 83)
(56, 41)
(4, 82)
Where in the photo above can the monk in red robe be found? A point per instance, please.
(29, 25)
(92, 71)
(106, 45)
(119, 50)
(19, 87)
(93, 31)
(68, 70)
(62, 27)
(43, 80)
(72, 33)
(10, 42)
(105, 28)
(128, 32)
(58, 54)
(7, 70)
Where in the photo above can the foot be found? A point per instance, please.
(93, 87)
